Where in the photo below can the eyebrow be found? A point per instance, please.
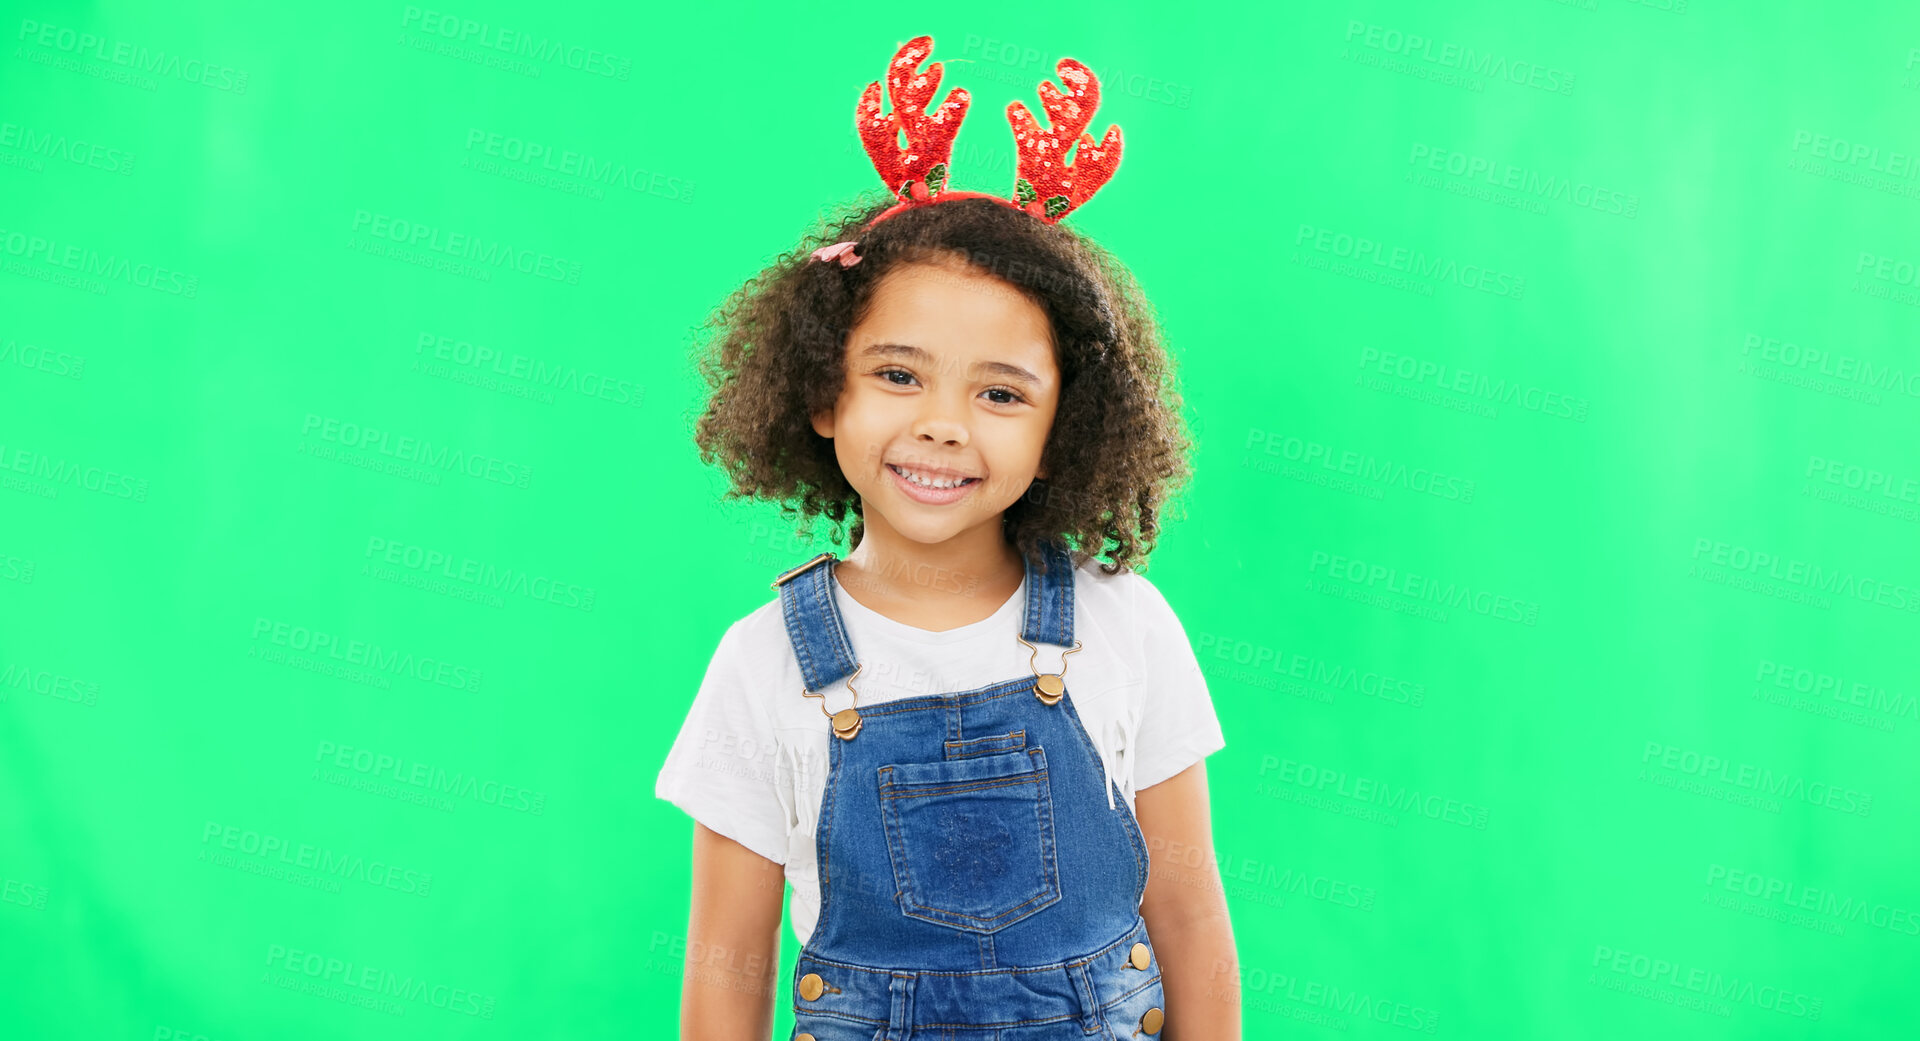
(907, 350)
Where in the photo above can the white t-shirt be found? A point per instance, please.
(750, 761)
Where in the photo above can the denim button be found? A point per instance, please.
(1048, 687)
(1152, 1020)
(1140, 957)
(812, 986)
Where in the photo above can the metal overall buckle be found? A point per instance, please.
(846, 722)
(1049, 687)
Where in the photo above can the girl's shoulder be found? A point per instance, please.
(1131, 615)
(1120, 596)
(758, 634)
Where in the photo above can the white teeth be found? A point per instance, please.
(928, 482)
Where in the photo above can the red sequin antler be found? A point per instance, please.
(1047, 185)
(920, 172)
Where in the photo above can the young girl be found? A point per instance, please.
(968, 816)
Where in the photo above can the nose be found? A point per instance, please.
(941, 420)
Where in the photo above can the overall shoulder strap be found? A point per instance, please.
(813, 623)
(1049, 617)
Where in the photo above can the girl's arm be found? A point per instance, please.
(1186, 911)
(733, 941)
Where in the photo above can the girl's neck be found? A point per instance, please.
(934, 587)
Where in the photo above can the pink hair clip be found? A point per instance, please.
(840, 251)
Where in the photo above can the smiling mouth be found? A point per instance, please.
(919, 480)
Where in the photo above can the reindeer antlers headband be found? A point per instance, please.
(1045, 185)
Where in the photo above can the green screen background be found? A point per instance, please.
(1551, 554)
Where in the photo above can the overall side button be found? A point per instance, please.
(1140, 957)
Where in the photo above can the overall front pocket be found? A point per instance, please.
(971, 840)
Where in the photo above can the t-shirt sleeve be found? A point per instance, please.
(720, 770)
(1178, 725)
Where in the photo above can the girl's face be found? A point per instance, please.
(950, 376)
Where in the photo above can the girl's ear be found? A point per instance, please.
(823, 424)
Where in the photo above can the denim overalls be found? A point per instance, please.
(974, 883)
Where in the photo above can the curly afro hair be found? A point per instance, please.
(1117, 449)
